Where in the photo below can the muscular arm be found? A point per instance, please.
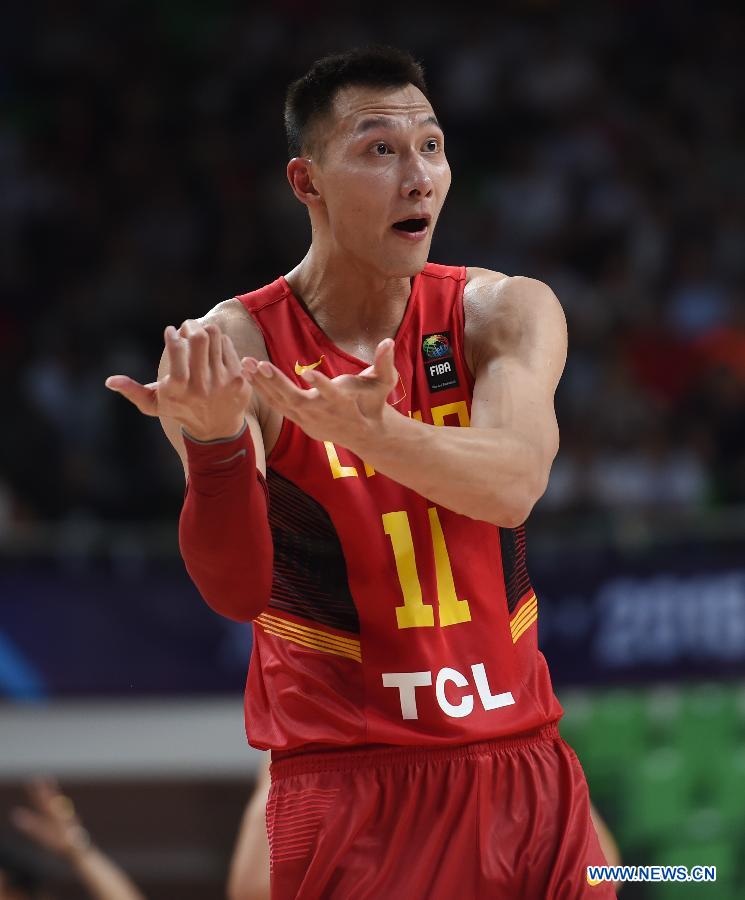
(494, 471)
(497, 469)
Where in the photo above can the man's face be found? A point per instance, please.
(382, 162)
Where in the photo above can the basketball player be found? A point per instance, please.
(363, 440)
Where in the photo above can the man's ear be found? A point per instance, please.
(300, 176)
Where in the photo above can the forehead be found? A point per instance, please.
(400, 107)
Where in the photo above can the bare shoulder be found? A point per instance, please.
(504, 311)
(506, 300)
(233, 319)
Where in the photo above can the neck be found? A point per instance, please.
(351, 303)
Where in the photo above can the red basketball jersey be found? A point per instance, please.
(392, 620)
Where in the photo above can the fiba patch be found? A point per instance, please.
(439, 363)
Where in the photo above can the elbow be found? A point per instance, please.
(238, 609)
(240, 606)
(511, 521)
(512, 516)
(513, 511)
(511, 508)
(241, 596)
(508, 512)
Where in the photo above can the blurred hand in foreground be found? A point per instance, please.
(51, 822)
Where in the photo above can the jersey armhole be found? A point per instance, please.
(460, 320)
(283, 436)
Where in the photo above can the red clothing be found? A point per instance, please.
(501, 820)
(230, 564)
(392, 620)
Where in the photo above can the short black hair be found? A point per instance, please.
(310, 97)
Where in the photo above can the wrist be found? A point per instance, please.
(216, 436)
(222, 457)
(78, 847)
(376, 434)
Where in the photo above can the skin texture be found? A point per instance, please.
(382, 160)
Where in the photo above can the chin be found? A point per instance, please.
(415, 268)
(407, 265)
(403, 271)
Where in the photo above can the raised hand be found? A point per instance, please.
(203, 387)
(344, 409)
(50, 820)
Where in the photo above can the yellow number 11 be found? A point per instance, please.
(415, 613)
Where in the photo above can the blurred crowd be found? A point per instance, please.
(598, 148)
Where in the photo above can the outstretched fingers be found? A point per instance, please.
(230, 357)
(215, 347)
(275, 386)
(177, 353)
(49, 812)
(197, 339)
(34, 825)
(320, 383)
(143, 396)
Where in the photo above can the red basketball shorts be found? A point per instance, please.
(497, 820)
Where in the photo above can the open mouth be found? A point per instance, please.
(411, 225)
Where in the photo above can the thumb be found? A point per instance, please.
(143, 396)
(383, 366)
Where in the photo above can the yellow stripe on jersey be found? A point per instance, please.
(306, 636)
(523, 628)
(525, 610)
(315, 645)
(278, 622)
(527, 615)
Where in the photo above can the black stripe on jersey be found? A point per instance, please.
(514, 565)
(310, 572)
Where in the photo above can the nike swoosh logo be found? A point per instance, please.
(299, 368)
(231, 458)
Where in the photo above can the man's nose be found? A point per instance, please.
(417, 182)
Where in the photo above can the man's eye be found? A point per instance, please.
(381, 149)
(432, 145)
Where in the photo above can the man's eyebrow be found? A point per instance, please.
(372, 122)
